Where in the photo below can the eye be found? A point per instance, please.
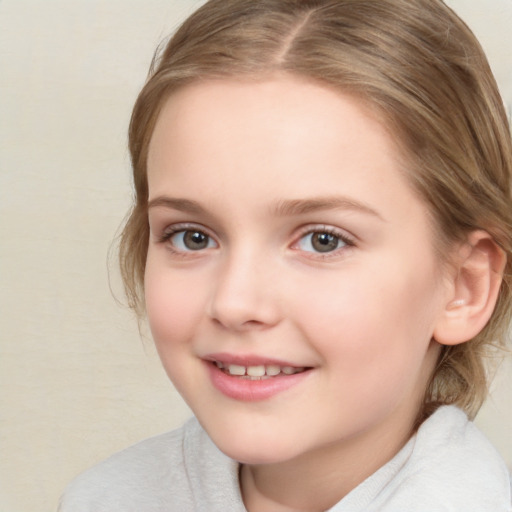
(321, 241)
(191, 240)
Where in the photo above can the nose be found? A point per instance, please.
(244, 296)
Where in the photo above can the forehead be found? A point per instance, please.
(284, 136)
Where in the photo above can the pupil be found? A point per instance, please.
(195, 240)
(324, 242)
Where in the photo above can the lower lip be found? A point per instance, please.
(247, 390)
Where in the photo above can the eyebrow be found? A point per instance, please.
(182, 205)
(283, 208)
(302, 206)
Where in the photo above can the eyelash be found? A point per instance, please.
(169, 232)
(345, 239)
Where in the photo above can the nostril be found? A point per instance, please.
(240, 326)
(253, 323)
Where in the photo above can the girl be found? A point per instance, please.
(321, 241)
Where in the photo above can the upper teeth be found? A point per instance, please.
(259, 370)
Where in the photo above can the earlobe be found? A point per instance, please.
(475, 289)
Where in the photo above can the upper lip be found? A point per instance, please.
(249, 360)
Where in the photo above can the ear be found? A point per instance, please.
(474, 289)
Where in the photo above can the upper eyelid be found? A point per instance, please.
(326, 228)
(349, 241)
(177, 227)
(159, 224)
(165, 236)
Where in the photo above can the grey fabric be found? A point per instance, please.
(447, 466)
(181, 471)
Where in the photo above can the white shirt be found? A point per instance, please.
(447, 466)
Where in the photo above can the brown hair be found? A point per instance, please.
(421, 69)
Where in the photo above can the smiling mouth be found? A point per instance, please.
(258, 372)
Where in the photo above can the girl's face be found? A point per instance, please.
(292, 286)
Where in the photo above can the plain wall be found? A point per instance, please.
(77, 382)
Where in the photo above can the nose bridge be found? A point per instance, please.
(244, 292)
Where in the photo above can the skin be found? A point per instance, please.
(361, 317)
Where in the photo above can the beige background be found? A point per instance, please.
(77, 383)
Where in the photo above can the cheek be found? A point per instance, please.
(375, 322)
(173, 316)
(172, 310)
(373, 345)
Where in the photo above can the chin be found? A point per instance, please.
(251, 456)
(253, 450)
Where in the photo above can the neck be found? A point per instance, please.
(317, 480)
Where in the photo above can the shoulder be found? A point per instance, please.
(454, 467)
(142, 477)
